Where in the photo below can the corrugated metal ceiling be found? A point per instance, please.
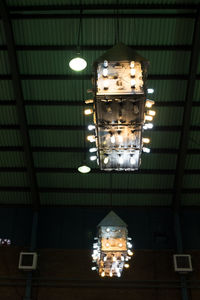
(96, 31)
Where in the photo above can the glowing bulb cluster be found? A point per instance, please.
(111, 251)
(148, 117)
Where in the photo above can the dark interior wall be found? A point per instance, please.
(66, 274)
(65, 237)
(75, 228)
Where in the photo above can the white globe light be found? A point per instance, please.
(84, 169)
(78, 64)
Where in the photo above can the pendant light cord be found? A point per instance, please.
(117, 24)
(79, 29)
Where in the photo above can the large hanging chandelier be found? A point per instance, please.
(121, 110)
(112, 247)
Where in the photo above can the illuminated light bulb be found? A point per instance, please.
(111, 274)
(84, 169)
(94, 157)
(146, 140)
(120, 245)
(91, 150)
(78, 64)
(149, 103)
(129, 245)
(91, 127)
(106, 160)
(105, 63)
(133, 82)
(102, 274)
(93, 268)
(147, 150)
(105, 72)
(129, 238)
(148, 118)
(145, 127)
(122, 258)
(151, 112)
(107, 229)
(126, 266)
(132, 72)
(149, 125)
(132, 64)
(118, 274)
(112, 139)
(88, 101)
(132, 160)
(106, 84)
(150, 91)
(120, 137)
(105, 258)
(121, 160)
(91, 138)
(130, 252)
(88, 111)
(107, 244)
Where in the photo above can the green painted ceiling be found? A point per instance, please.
(57, 98)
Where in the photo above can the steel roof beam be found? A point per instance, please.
(100, 15)
(17, 89)
(83, 150)
(89, 76)
(98, 171)
(98, 47)
(137, 6)
(181, 160)
(82, 127)
(96, 191)
(82, 103)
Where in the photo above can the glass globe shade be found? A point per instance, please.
(84, 169)
(78, 64)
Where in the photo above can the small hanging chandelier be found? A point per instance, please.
(112, 247)
(120, 108)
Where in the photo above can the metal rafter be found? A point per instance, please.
(98, 171)
(97, 47)
(82, 127)
(187, 115)
(82, 103)
(97, 190)
(89, 76)
(120, 6)
(56, 149)
(100, 15)
(20, 103)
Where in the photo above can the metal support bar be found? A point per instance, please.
(187, 115)
(82, 127)
(98, 47)
(116, 6)
(179, 246)
(74, 170)
(17, 88)
(97, 15)
(89, 76)
(96, 191)
(81, 103)
(32, 248)
(81, 150)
